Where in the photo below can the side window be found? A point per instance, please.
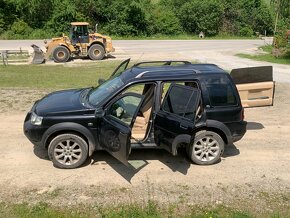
(182, 101)
(125, 108)
(220, 91)
(166, 86)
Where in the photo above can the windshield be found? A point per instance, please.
(103, 91)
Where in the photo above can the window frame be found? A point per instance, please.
(198, 91)
(108, 108)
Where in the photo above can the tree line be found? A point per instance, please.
(20, 19)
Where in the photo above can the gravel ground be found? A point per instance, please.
(255, 169)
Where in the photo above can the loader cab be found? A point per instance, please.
(79, 32)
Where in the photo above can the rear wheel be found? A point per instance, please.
(60, 54)
(207, 148)
(96, 52)
(68, 151)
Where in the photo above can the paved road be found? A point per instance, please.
(167, 46)
(220, 52)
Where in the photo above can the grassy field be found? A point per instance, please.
(58, 76)
(267, 56)
(151, 209)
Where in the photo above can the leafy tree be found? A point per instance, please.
(282, 9)
(33, 12)
(165, 21)
(199, 15)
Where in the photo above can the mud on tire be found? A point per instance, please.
(60, 54)
(96, 52)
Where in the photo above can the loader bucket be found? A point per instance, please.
(37, 55)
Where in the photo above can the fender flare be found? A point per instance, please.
(220, 127)
(62, 44)
(217, 126)
(97, 43)
(70, 126)
(183, 138)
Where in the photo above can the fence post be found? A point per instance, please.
(4, 57)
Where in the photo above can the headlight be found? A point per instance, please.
(35, 120)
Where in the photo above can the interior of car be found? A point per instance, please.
(143, 118)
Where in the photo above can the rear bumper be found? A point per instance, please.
(238, 130)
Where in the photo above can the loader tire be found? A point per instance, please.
(96, 52)
(60, 54)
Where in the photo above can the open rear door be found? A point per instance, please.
(255, 85)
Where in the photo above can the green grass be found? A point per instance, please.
(60, 76)
(151, 209)
(268, 57)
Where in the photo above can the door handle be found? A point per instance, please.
(183, 127)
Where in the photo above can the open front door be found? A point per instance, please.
(255, 85)
(115, 126)
(123, 66)
(176, 118)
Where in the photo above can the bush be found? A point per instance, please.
(166, 22)
(18, 30)
(199, 15)
(246, 31)
(41, 34)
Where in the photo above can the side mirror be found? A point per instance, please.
(99, 112)
(101, 81)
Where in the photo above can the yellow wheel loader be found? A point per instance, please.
(80, 43)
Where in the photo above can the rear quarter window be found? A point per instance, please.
(220, 91)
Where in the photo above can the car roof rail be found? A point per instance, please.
(165, 62)
(140, 75)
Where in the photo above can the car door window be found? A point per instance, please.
(181, 100)
(125, 108)
(220, 91)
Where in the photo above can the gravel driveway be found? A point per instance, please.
(253, 169)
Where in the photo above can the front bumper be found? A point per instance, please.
(32, 132)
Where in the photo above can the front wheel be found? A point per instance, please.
(96, 52)
(61, 54)
(68, 151)
(206, 148)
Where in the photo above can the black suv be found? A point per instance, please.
(165, 104)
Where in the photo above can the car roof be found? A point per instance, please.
(185, 70)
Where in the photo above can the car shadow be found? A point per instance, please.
(140, 158)
(254, 126)
(40, 152)
(230, 151)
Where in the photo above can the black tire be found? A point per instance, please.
(96, 52)
(206, 148)
(60, 54)
(68, 151)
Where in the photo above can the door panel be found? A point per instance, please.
(176, 116)
(256, 94)
(115, 138)
(255, 85)
(115, 127)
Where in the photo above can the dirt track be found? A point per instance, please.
(255, 169)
